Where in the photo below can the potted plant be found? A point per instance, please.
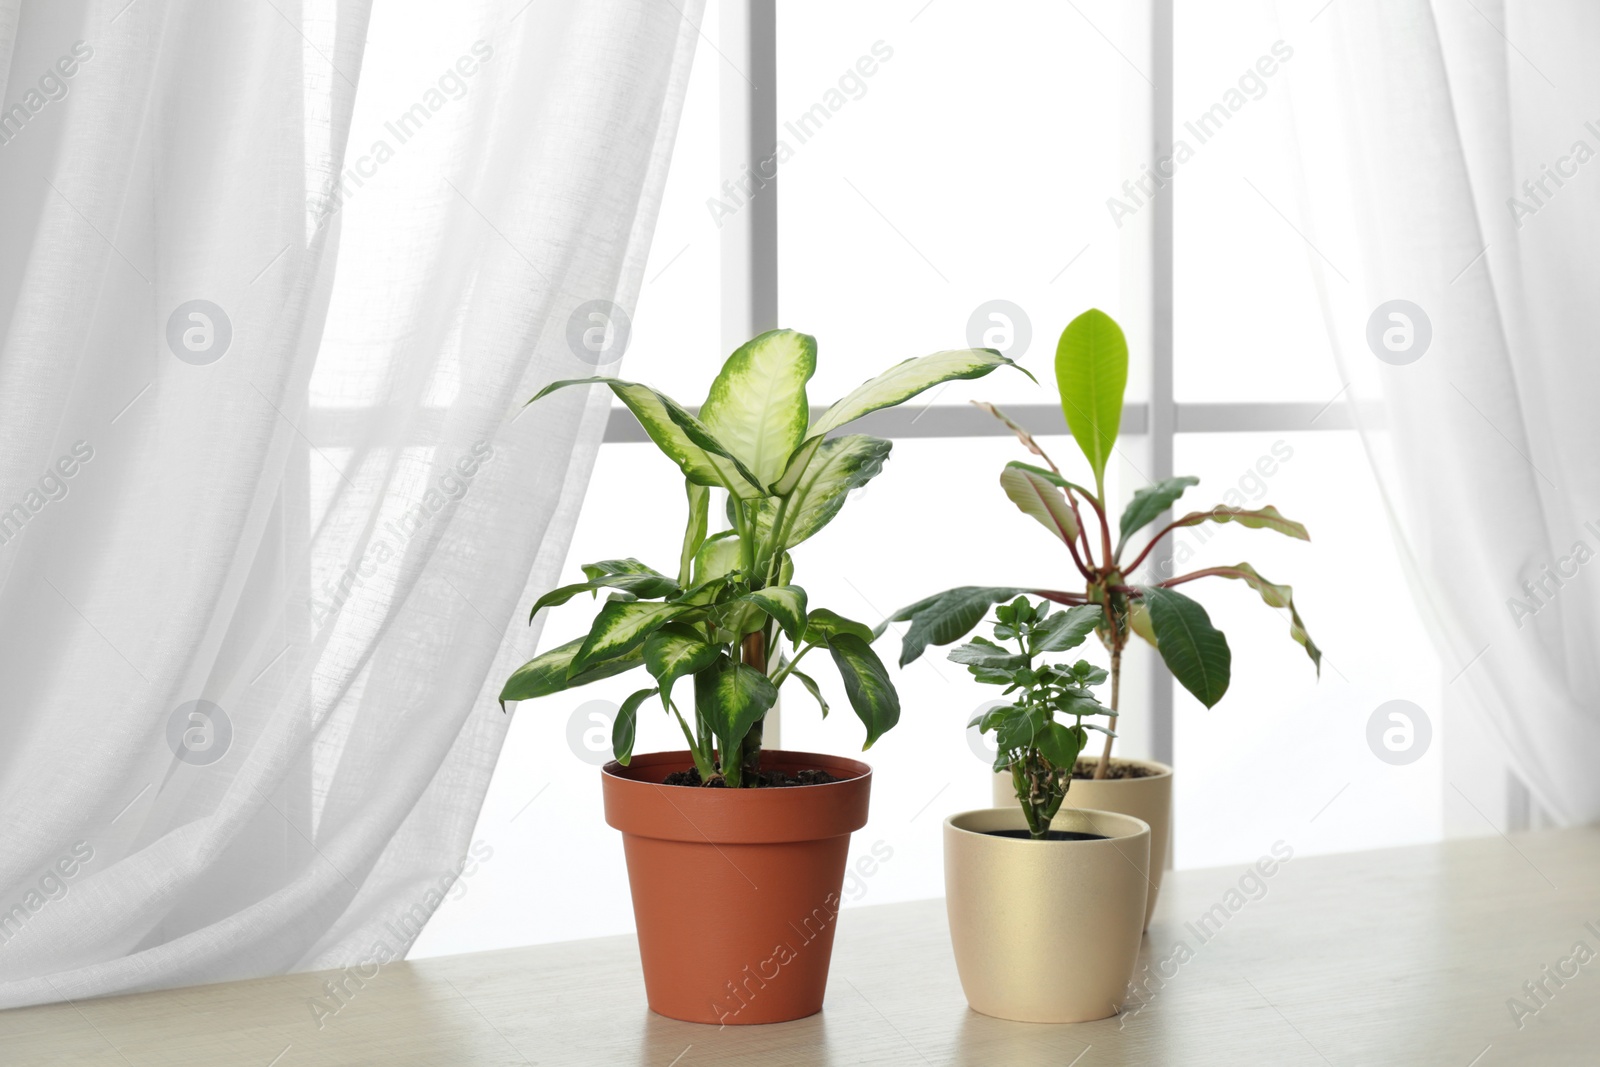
(1091, 372)
(1020, 882)
(736, 878)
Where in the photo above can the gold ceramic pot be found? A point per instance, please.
(1148, 798)
(1045, 931)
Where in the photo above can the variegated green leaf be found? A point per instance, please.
(624, 728)
(643, 583)
(550, 672)
(757, 405)
(787, 604)
(840, 465)
(1195, 651)
(619, 628)
(683, 438)
(676, 651)
(694, 531)
(905, 380)
(1091, 374)
(867, 684)
(731, 698)
(822, 624)
(717, 555)
(815, 690)
(1039, 499)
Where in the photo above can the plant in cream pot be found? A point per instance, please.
(735, 853)
(1116, 588)
(1020, 881)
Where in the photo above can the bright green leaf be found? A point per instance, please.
(757, 405)
(840, 465)
(1091, 374)
(694, 531)
(675, 651)
(905, 380)
(718, 555)
(619, 628)
(787, 604)
(1041, 500)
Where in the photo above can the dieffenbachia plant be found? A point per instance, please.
(1091, 372)
(1031, 739)
(719, 619)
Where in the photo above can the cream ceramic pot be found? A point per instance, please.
(1045, 931)
(1148, 798)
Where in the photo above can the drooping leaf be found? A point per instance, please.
(1257, 519)
(1066, 629)
(620, 627)
(675, 651)
(1038, 498)
(1022, 434)
(549, 672)
(757, 405)
(626, 725)
(1091, 374)
(1150, 502)
(718, 555)
(1195, 651)
(730, 697)
(644, 583)
(905, 380)
(815, 690)
(1061, 744)
(1277, 596)
(787, 604)
(947, 616)
(694, 531)
(867, 684)
(683, 438)
(840, 465)
(822, 624)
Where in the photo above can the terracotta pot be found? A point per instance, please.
(1045, 931)
(1148, 798)
(735, 891)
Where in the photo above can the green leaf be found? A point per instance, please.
(1257, 519)
(1195, 651)
(815, 690)
(840, 465)
(867, 684)
(549, 672)
(946, 617)
(980, 652)
(717, 555)
(645, 584)
(1139, 622)
(1039, 498)
(626, 724)
(905, 380)
(694, 531)
(1060, 744)
(1018, 729)
(822, 624)
(730, 698)
(1091, 374)
(757, 405)
(683, 438)
(1277, 596)
(798, 461)
(619, 628)
(675, 651)
(1150, 502)
(1066, 629)
(787, 604)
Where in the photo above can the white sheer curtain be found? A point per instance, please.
(274, 281)
(1449, 161)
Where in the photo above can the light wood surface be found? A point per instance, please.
(1404, 956)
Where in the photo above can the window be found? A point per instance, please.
(923, 204)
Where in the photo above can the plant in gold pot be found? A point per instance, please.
(1091, 372)
(1020, 881)
(735, 853)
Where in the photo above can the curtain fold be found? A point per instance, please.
(275, 280)
(1446, 156)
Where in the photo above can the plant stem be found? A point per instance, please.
(1104, 766)
(753, 653)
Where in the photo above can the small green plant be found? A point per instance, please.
(721, 619)
(1091, 373)
(1032, 735)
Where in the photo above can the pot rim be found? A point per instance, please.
(1128, 827)
(681, 760)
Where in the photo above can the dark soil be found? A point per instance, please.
(769, 779)
(1049, 835)
(1085, 770)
